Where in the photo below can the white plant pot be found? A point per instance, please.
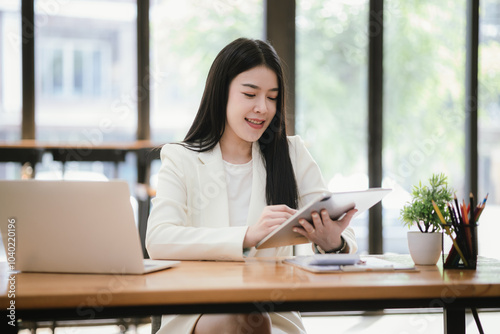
(425, 248)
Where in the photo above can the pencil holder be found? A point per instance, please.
(463, 252)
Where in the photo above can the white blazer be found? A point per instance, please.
(189, 219)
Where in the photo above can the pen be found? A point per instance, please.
(449, 232)
(465, 212)
(458, 208)
(471, 212)
(461, 237)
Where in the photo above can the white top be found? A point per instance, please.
(239, 190)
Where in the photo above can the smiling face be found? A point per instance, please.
(251, 105)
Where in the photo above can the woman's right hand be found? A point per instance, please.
(272, 216)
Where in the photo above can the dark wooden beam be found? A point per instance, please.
(280, 31)
(143, 76)
(471, 95)
(28, 69)
(375, 119)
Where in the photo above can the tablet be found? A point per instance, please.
(337, 204)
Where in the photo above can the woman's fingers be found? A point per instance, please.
(278, 212)
(273, 221)
(346, 220)
(281, 208)
(349, 214)
(322, 229)
(271, 218)
(308, 227)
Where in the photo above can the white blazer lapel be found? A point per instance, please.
(212, 192)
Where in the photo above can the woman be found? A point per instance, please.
(234, 179)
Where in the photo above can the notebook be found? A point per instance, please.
(71, 227)
(338, 263)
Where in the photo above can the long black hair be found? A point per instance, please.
(209, 124)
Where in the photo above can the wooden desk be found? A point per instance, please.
(32, 151)
(257, 285)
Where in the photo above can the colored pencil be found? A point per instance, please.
(480, 211)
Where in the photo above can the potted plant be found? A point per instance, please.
(425, 245)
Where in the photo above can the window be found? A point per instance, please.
(10, 70)
(424, 110)
(85, 71)
(489, 125)
(331, 93)
(87, 90)
(75, 68)
(185, 38)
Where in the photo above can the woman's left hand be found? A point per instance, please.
(324, 231)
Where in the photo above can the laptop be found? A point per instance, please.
(72, 227)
